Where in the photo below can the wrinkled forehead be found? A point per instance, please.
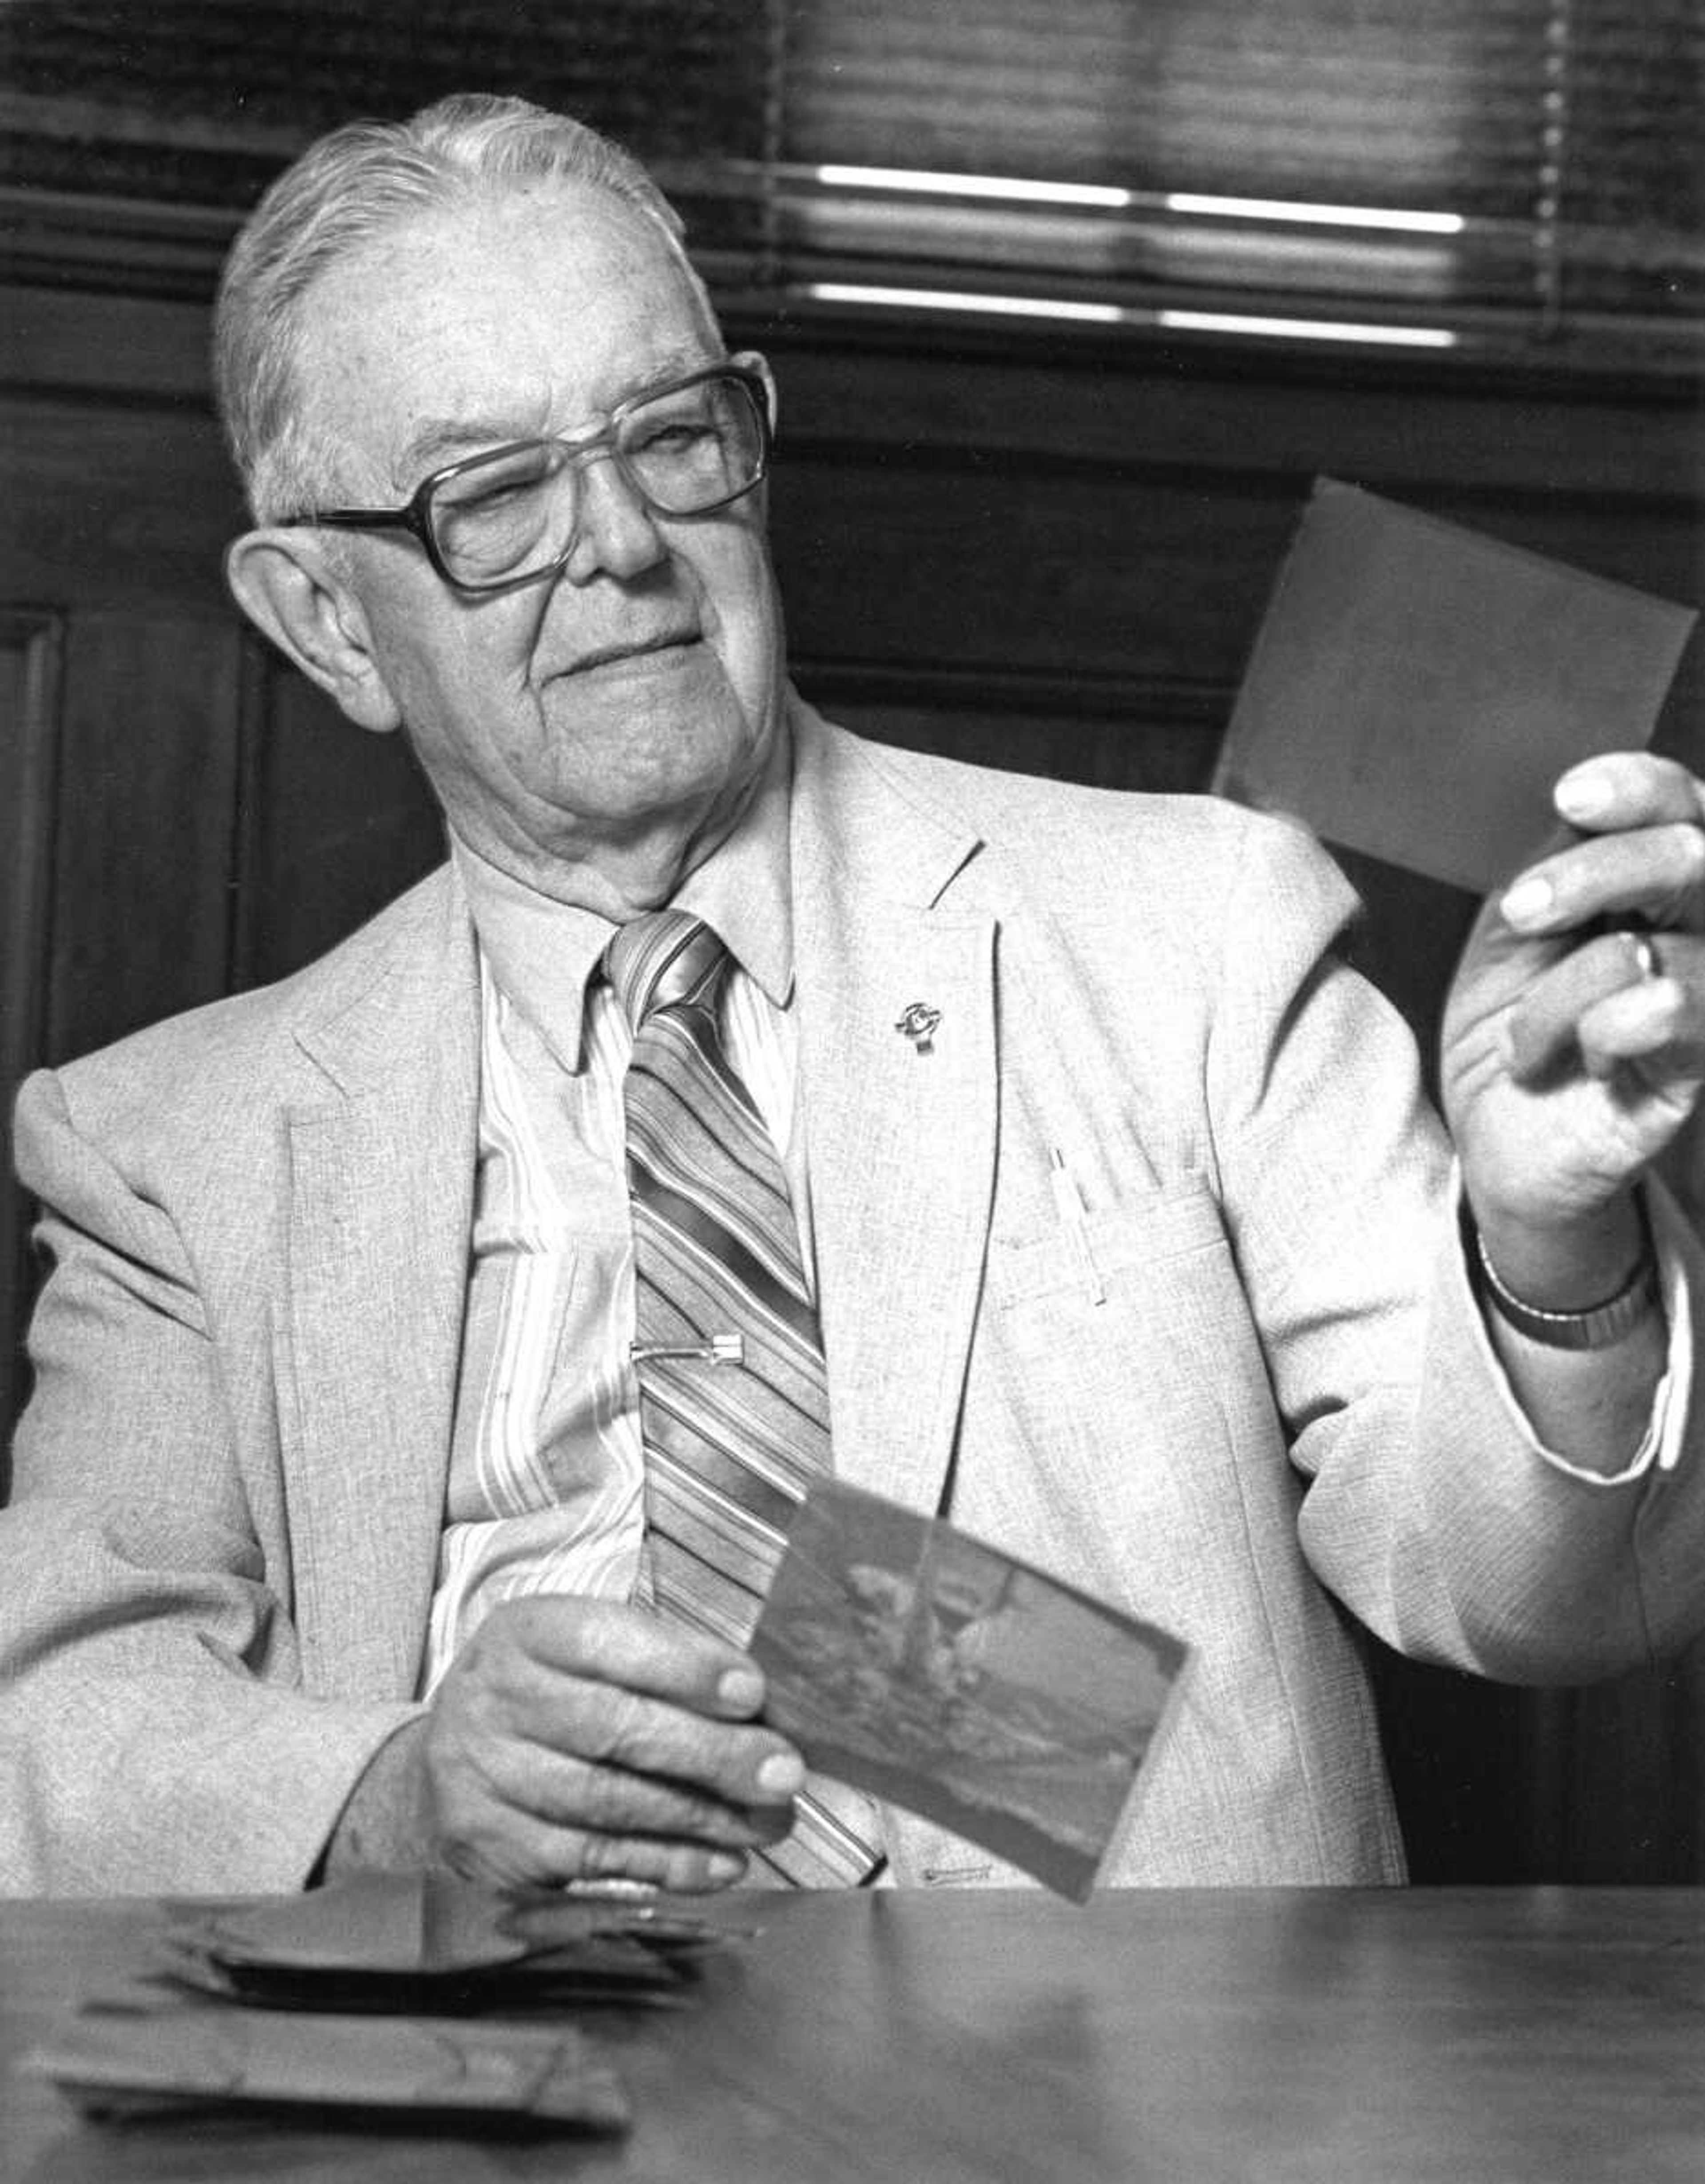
(509, 313)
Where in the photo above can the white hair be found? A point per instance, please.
(346, 189)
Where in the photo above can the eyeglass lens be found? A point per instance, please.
(685, 451)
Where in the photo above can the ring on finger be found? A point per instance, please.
(1643, 947)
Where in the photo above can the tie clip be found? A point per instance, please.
(719, 1350)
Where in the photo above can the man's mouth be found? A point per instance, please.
(607, 655)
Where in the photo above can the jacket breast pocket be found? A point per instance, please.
(1145, 1241)
(1124, 1362)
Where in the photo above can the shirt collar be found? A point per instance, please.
(542, 952)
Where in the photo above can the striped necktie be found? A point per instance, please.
(733, 1396)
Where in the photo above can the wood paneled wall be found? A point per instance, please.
(1050, 553)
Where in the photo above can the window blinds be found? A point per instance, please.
(1520, 176)
(1513, 172)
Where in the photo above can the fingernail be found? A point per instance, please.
(741, 1690)
(1582, 795)
(1529, 902)
(781, 1775)
(723, 1868)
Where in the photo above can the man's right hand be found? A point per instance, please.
(575, 1739)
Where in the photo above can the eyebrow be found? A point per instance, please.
(440, 440)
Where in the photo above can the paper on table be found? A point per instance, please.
(123, 2063)
(913, 1662)
(403, 1921)
(1417, 688)
(414, 1942)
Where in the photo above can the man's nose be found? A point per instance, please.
(615, 532)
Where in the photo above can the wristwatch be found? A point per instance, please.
(1595, 1329)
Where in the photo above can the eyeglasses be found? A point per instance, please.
(509, 515)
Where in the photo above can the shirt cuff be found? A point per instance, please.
(1660, 1446)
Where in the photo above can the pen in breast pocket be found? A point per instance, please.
(1068, 1204)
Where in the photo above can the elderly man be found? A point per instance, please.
(435, 1343)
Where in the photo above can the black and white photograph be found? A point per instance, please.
(852, 1042)
(924, 1667)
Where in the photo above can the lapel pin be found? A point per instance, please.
(918, 1020)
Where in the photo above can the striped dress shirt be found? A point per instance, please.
(546, 1479)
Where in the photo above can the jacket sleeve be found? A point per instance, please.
(156, 1734)
(1443, 1525)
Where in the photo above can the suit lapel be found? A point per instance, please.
(382, 1178)
(902, 1161)
(901, 1128)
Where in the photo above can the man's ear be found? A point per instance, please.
(752, 360)
(287, 585)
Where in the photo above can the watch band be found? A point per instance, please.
(1595, 1328)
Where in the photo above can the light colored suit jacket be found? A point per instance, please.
(215, 1576)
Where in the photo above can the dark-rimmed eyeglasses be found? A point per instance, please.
(510, 514)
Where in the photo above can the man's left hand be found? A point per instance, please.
(1573, 1048)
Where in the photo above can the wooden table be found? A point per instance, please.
(1462, 2037)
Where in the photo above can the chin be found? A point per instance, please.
(675, 765)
